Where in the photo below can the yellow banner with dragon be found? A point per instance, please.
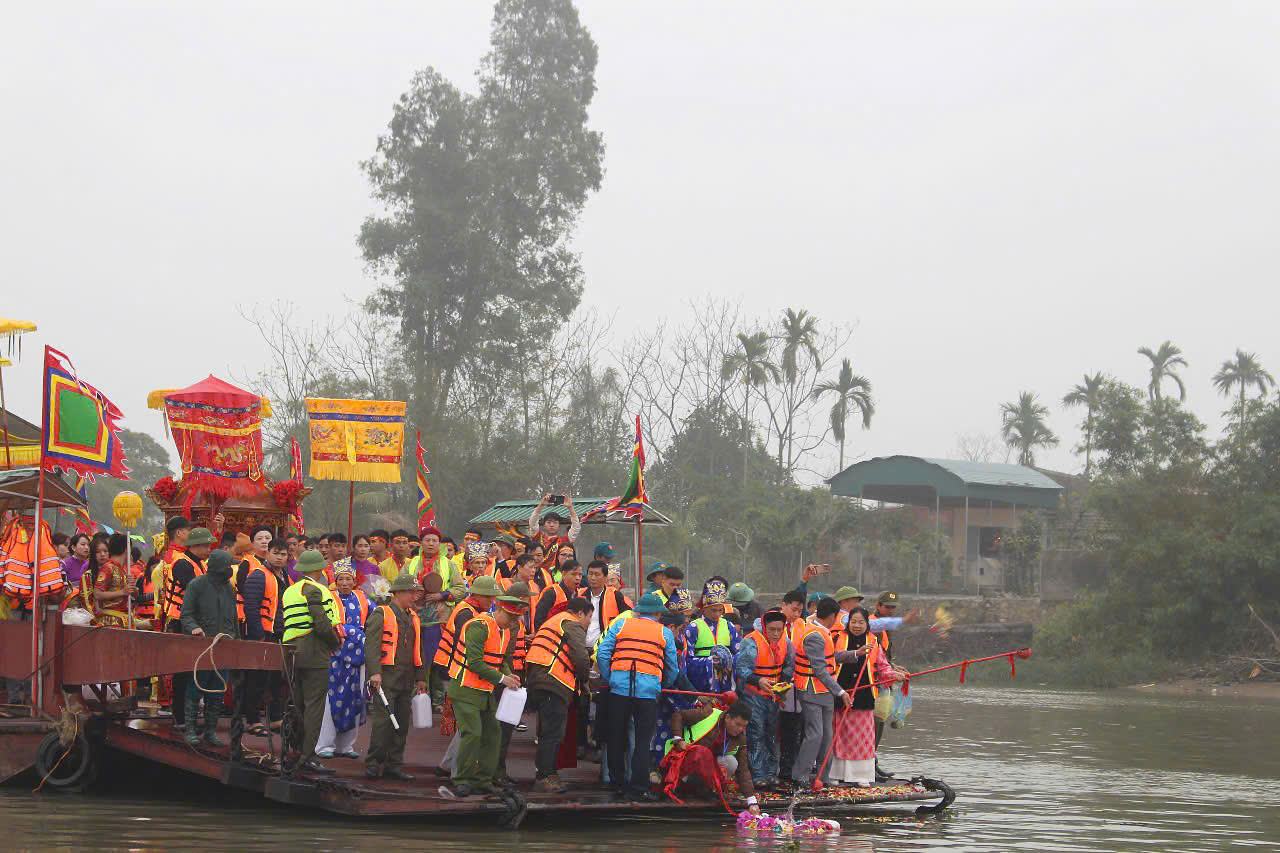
(360, 440)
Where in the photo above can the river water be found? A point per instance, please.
(1035, 770)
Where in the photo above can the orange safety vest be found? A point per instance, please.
(524, 625)
(805, 674)
(364, 604)
(173, 590)
(769, 658)
(548, 649)
(17, 556)
(146, 608)
(561, 597)
(495, 652)
(451, 648)
(639, 646)
(270, 595)
(391, 635)
(795, 632)
(611, 601)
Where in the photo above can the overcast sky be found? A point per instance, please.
(1001, 196)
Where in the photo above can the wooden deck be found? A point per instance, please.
(349, 792)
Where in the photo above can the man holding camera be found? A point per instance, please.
(545, 529)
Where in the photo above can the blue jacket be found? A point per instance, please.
(640, 685)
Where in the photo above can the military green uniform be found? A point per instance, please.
(386, 743)
(479, 736)
(311, 669)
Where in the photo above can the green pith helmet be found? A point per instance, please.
(309, 563)
(200, 536)
(485, 586)
(405, 582)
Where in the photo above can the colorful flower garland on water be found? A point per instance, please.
(747, 822)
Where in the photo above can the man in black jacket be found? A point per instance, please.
(209, 609)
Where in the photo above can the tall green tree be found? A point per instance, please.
(1023, 426)
(1165, 361)
(749, 364)
(1240, 374)
(851, 392)
(1088, 394)
(148, 461)
(480, 195)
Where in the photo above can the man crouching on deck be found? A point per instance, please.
(723, 734)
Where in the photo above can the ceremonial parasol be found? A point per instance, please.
(218, 430)
(12, 330)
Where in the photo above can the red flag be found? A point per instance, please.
(426, 508)
(82, 435)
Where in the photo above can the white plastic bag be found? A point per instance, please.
(77, 616)
(422, 711)
(511, 706)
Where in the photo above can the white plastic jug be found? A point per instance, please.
(511, 706)
(422, 711)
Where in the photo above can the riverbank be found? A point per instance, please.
(1267, 691)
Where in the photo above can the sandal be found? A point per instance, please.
(257, 730)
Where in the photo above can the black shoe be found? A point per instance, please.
(442, 772)
(313, 766)
(644, 797)
(398, 774)
(372, 773)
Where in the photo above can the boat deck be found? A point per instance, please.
(349, 792)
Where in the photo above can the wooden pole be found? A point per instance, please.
(37, 618)
(351, 512)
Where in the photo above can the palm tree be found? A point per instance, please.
(799, 334)
(750, 364)
(1164, 364)
(1243, 373)
(851, 392)
(1024, 429)
(1088, 394)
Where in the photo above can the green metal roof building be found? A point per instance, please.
(974, 503)
(517, 512)
(921, 481)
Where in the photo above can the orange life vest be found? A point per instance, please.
(17, 557)
(270, 595)
(769, 658)
(391, 635)
(451, 648)
(524, 624)
(364, 605)
(805, 673)
(146, 608)
(639, 646)
(549, 649)
(611, 601)
(173, 589)
(556, 590)
(495, 652)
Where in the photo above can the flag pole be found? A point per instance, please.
(37, 617)
(351, 511)
(638, 540)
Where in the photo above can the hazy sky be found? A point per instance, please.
(1001, 196)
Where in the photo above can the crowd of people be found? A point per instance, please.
(768, 698)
